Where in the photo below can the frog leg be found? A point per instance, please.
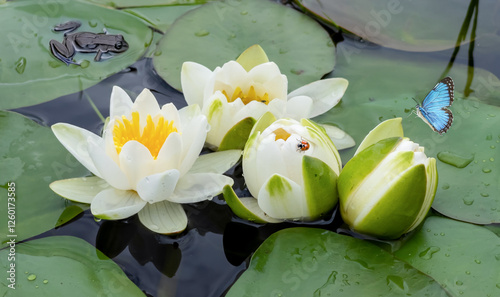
(67, 27)
(62, 51)
(97, 57)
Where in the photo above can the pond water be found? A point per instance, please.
(207, 258)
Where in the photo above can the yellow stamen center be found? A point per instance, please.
(281, 134)
(248, 97)
(152, 136)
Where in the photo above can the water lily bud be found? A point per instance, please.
(291, 170)
(387, 189)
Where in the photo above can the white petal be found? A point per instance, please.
(253, 109)
(145, 104)
(170, 113)
(231, 73)
(164, 217)
(262, 164)
(114, 204)
(325, 94)
(169, 155)
(252, 205)
(194, 78)
(277, 87)
(265, 72)
(299, 107)
(218, 162)
(136, 162)
(341, 139)
(282, 198)
(187, 113)
(109, 142)
(158, 187)
(196, 187)
(277, 107)
(80, 189)
(219, 118)
(193, 138)
(120, 103)
(75, 140)
(108, 169)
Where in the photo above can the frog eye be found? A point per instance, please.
(118, 45)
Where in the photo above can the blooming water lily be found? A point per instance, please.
(291, 170)
(146, 162)
(388, 187)
(236, 95)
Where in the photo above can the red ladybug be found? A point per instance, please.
(303, 145)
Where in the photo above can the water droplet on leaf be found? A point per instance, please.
(427, 254)
(31, 277)
(21, 65)
(202, 33)
(454, 159)
(468, 201)
(85, 63)
(486, 170)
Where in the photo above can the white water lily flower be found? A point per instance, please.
(233, 97)
(388, 187)
(291, 170)
(146, 162)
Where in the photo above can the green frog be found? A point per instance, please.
(85, 42)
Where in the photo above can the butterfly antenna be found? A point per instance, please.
(415, 100)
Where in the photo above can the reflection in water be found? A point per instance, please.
(462, 35)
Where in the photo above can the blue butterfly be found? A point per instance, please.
(434, 109)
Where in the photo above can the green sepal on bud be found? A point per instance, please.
(387, 189)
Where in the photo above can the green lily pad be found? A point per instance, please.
(30, 74)
(462, 257)
(64, 266)
(146, 3)
(404, 25)
(32, 158)
(160, 17)
(219, 32)
(382, 85)
(316, 262)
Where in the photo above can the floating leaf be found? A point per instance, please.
(381, 86)
(161, 17)
(405, 25)
(30, 74)
(146, 3)
(448, 251)
(64, 266)
(315, 262)
(218, 32)
(34, 159)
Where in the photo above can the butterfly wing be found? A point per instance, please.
(434, 107)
